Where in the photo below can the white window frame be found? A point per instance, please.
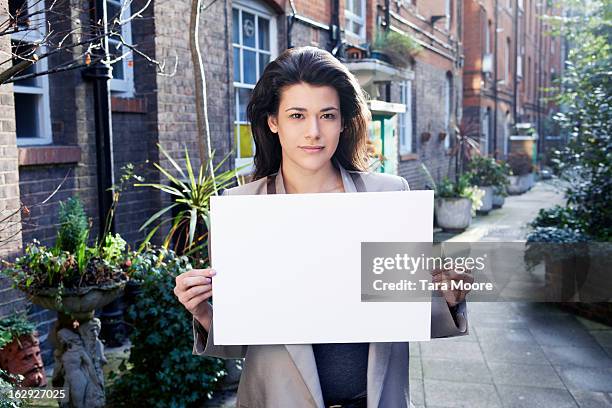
(43, 112)
(405, 119)
(263, 11)
(123, 87)
(448, 109)
(354, 18)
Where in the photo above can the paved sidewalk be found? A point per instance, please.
(517, 354)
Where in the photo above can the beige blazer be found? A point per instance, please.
(285, 376)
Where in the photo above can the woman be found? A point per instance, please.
(309, 120)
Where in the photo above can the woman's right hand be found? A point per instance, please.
(193, 289)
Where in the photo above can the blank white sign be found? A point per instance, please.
(288, 267)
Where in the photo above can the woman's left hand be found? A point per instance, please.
(453, 296)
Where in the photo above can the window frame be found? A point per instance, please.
(354, 18)
(43, 111)
(123, 87)
(259, 11)
(405, 119)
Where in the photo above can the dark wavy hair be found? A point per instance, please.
(317, 67)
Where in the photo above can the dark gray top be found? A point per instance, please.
(342, 369)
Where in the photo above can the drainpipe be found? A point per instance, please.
(495, 81)
(516, 51)
(335, 43)
(100, 74)
(290, 21)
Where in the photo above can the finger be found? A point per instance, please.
(195, 291)
(194, 302)
(191, 281)
(208, 272)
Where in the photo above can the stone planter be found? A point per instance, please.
(498, 200)
(520, 184)
(487, 200)
(79, 303)
(453, 214)
(22, 356)
(79, 353)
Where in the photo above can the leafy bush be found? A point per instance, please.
(462, 189)
(7, 383)
(191, 194)
(485, 171)
(520, 163)
(74, 226)
(557, 216)
(554, 243)
(161, 370)
(14, 326)
(397, 46)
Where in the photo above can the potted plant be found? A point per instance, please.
(489, 176)
(500, 191)
(20, 350)
(75, 279)
(395, 48)
(455, 203)
(521, 177)
(565, 255)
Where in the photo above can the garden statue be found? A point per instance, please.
(75, 370)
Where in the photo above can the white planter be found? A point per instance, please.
(453, 214)
(487, 200)
(498, 200)
(520, 184)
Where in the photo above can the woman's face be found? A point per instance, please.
(308, 125)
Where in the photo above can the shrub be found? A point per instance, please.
(163, 371)
(520, 163)
(557, 216)
(485, 171)
(74, 227)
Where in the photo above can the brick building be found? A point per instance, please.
(509, 60)
(47, 126)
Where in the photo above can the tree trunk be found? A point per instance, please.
(203, 129)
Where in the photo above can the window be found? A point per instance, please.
(253, 43)
(448, 109)
(123, 70)
(405, 119)
(354, 16)
(32, 117)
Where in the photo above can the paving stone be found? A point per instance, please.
(455, 351)
(514, 352)
(594, 357)
(603, 337)
(589, 399)
(525, 374)
(586, 379)
(488, 334)
(416, 368)
(460, 371)
(563, 334)
(455, 394)
(531, 397)
(417, 395)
